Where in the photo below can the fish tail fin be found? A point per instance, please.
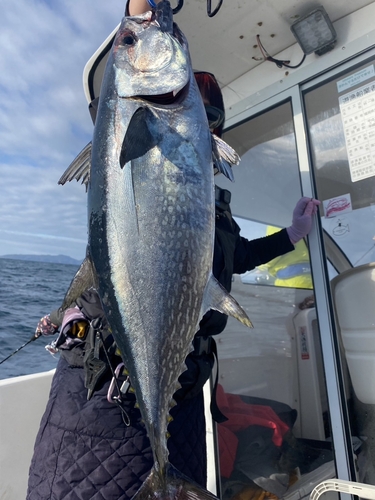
(172, 485)
(216, 297)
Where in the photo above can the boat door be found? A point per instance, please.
(298, 389)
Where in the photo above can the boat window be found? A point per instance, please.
(340, 116)
(291, 270)
(341, 125)
(271, 387)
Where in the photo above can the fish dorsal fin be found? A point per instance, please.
(223, 156)
(79, 168)
(216, 297)
(138, 139)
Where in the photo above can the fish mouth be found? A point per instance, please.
(167, 99)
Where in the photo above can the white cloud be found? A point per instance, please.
(35, 209)
(44, 120)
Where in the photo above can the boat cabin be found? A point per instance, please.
(301, 113)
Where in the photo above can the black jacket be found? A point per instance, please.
(84, 450)
(234, 254)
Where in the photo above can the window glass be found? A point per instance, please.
(341, 125)
(271, 387)
(290, 270)
(267, 184)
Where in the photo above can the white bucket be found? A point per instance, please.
(354, 298)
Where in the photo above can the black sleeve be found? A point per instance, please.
(57, 317)
(249, 254)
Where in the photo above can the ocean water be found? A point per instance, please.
(28, 291)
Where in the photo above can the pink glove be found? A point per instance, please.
(302, 218)
(45, 327)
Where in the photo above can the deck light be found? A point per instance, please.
(315, 32)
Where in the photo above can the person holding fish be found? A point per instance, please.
(93, 439)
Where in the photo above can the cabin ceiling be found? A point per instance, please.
(226, 44)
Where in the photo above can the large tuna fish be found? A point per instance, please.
(151, 223)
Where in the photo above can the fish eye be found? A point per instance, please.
(128, 40)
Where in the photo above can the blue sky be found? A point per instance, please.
(44, 119)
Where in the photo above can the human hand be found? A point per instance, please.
(137, 7)
(45, 327)
(302, 218)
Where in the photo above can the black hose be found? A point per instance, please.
(213, 13)
(178, 7)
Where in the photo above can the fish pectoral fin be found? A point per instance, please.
(226, 152)
(216, 297)
(138, 139)
(171, 485)
(223, 156)
(79, 168)
(84, 279)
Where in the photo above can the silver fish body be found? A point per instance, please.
(151, 222)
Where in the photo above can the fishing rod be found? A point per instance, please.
(22, 346)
